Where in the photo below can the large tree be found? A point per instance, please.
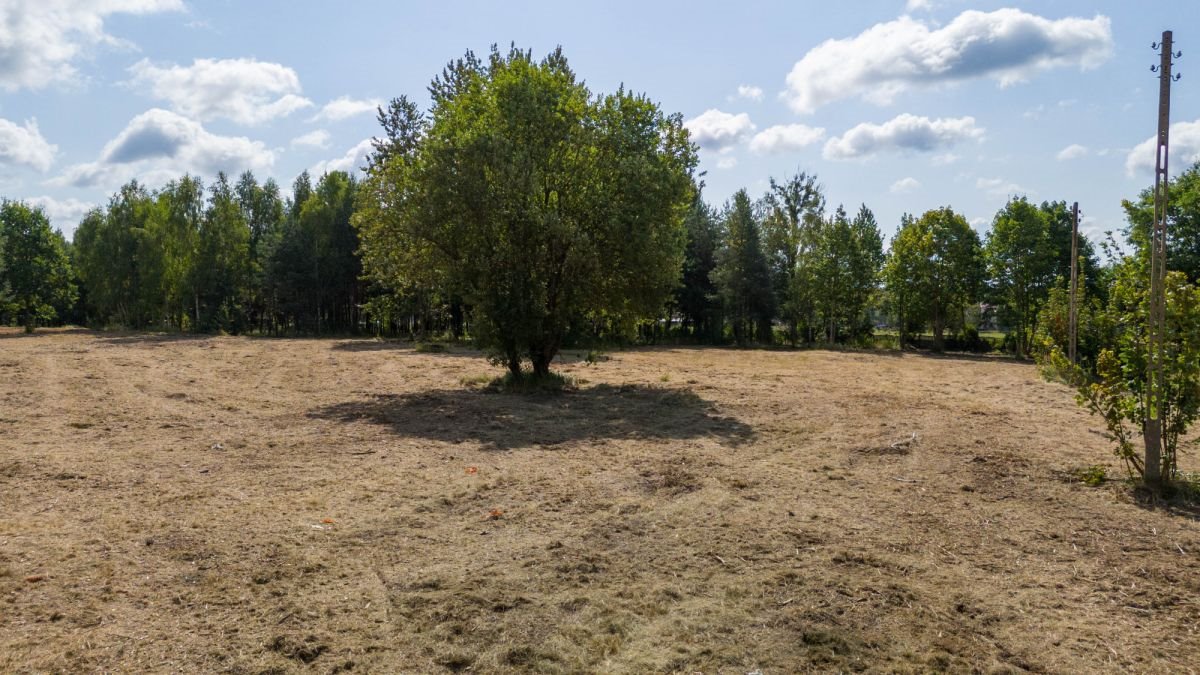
(936, 266)
(743, 276)
(35, 273)
(696, 298)
(793, 212)
(534, 200)
(1021, 261)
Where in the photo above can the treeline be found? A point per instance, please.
(781, 268)
(241, 257)
(234, 257)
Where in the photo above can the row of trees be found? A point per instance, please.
(240, 257)
(525, 211)
(234, 257)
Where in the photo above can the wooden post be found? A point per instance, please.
(1152, 435)
(1073, 318)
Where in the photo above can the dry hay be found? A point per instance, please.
(251, 505)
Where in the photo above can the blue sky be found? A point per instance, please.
(904, 105)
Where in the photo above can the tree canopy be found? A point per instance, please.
(36, 283)
(535, 200)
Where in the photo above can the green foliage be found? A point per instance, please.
(36, 282)
(1021, 262)
(742, 277)
(1183, 222)
(530, 383)
(533, 200)
(697, 298)
(593, 357)
(1093, 476)
(313, 271)
(794, 211)
(1114, 387)
(934, 270)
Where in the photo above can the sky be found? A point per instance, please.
(902, 105)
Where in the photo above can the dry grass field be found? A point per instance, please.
(217, 504)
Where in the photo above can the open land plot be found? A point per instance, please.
(218, 504)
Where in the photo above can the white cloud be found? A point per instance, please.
(243, 90)
(727, 162)
(164, 144)
(313, 139)
(1185, 150)
(904, 185)
(25, 146)
(914, 5)
(749, 91)
(716, 130)
(785, 137)
(41, 39)
(64, 214)
(905, 132)
(999, 187)
(1007, 45)
(343, 107)
(945, 159)
(978, 221)
(1072, 151)
(354, 160)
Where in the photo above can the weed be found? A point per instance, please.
(476, 380)
(593, 357)
(1093, 476)
(528, 383)
(429, 348)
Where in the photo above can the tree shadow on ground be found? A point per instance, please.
(509, 421)
(151, 338)
(405, 347)
(1182, 500)
(12, 333)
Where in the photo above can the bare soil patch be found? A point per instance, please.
(267, 506)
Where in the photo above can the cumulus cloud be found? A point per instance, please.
(904, 185)
(1007, 45)
(41, 39)
(354, 160)
(344, 107)
(914, 5)
(750, 92)
(785, 137)
(159, 142)
(1185, 150)
(727, 162)
(25, 146)
(716, 130)
(64, 214)
(999, 187)
(243, 90)
(313, 139)
(1072, 151)
(905, 133)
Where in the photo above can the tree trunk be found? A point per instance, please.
(939, 332)
(514, 364)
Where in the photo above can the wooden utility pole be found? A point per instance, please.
(1152, 434)
(1073, 316)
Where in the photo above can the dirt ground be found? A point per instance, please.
(217, 504)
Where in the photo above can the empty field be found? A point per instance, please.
(252, 505)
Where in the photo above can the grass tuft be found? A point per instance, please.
(528, 383)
